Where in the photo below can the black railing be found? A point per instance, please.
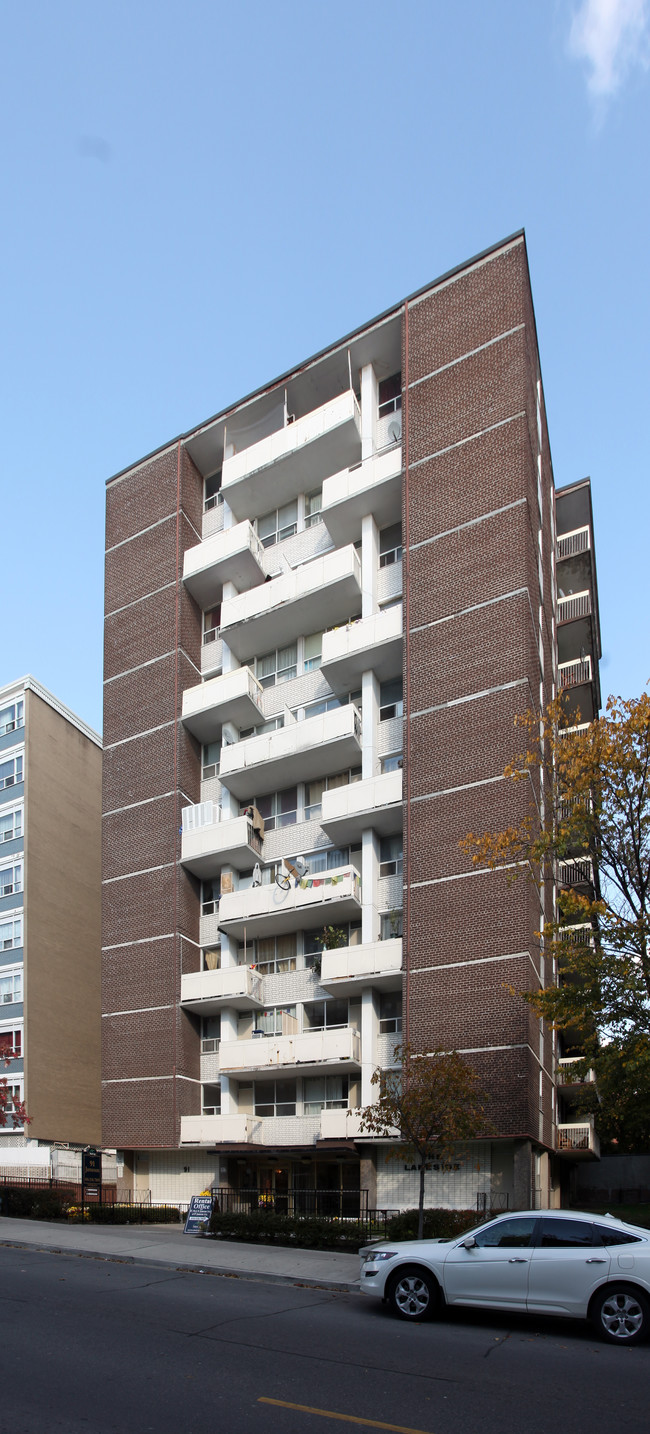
(489, 1202)
(323, 1204)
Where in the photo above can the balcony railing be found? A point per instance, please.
(338, 1049)
(299, 752)
(349, 969)
(206, 846)
(375, 802)
(577, 872)
(574, 1071)
(210, 991)
(230, 697)
(301, 455)
(374, 486)
(569, 545)
(369, 643)
(293, 603)
(327, 897)
(579, 1139)
(216, 1129)
(346, 1125)
(234, 555)
(575, 606)
(574, 674)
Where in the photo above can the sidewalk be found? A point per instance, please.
(166, 1246)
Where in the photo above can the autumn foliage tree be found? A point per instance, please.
(428, 1103)
(588, 828)
(10, 1107)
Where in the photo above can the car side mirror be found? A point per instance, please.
(468, 1243)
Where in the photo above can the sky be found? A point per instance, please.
(197, 196)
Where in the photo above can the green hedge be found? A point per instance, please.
(267, 1228)
(33, 1204)
(441, 1224)
(131, 1214)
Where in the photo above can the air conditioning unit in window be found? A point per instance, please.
(395, 430)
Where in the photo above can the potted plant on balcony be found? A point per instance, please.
(331, 938)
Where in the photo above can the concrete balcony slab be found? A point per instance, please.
(374, 486)
(207, 992)
(234, 843)
(309, 1051)
(374, 803)
(330, 898)
(351, 969)
(295, 459)
(371, 643)
(234, 555)
(299, 601)
(230, 697)
(299, 752)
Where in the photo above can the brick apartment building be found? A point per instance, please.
(324, 608)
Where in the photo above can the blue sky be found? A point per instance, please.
(198, 195)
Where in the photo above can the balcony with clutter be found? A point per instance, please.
(337, 1049)
(293, 603)
(209, 841)
(578, 1139)
(305, 901)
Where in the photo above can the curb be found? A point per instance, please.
(256, 1277)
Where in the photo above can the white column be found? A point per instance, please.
(369, 410)
(228, 660)
(369, 565)
(228, 1033)
(369, 880)
(369, 1029)
(369, 724)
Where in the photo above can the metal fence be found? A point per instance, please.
(326, 1204)
(71, 1188)
(489, 1202)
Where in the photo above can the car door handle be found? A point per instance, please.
(596, 1260)
(517, 1260)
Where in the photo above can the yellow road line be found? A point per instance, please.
(346, 1418)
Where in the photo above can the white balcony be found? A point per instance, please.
(206, 848)
(372, 487)
(216, 1129)
(299, 752)
(330, 898)
(573, 1074)
(230, 697)
(327, 588)
(569, 609)
(371, 643)
(570, 545)
(376, 802)
(209, 991)
(235, 556)
(349, 970)
(576, 673)
(579, 1139)
(346, 1125)
(294, 459)
(310, 1051)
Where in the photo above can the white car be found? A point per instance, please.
(551, 1262)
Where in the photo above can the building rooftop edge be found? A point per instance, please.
(518, 235)
(30, 684)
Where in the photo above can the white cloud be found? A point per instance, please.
(612, 36)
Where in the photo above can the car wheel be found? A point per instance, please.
(413, 1294)
(621, 1314)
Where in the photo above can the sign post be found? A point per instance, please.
(91, 1175)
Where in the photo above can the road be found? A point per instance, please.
(93, 1345)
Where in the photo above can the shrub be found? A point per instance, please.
(29, 1204)
(310, 1233)
(438, 1224)
(131, 1214)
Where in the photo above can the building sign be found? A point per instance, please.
(198, 1214)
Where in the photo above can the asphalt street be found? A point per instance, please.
(94, 1345)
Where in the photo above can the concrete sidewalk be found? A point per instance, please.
(166, 1246)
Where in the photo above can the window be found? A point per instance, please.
(11, 986)
(390, 545)
(313, 505)
(273, 725)
(11, 717)
(614, 1237)
(391, 925)
(12, 1098)
(210, 893)
(390, 394)
(210, 1035)
(313, 651)
(245, 881)
(211, 759)
(325, 1015)
(281, 523)
(313, 940)
(390, 856)
(508, 1234)
(390, 700)
(11, 879)
(278, 666)
(314, 790)
(11, 1045)
(278, 1021)
(390, 1013)
(212, 494)
(275, 1097)
(273, 955)
(328, 859)
(565, 1234)
(11, 933)
(316, 708)
(325, 1093)
(211, 624)
(11, 825)
(280, 809)
(11, 771)
(393, 762)
(211, 1100)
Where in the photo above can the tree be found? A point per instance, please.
(10, 1106)
(588, 828)
(429, 1103)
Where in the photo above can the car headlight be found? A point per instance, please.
(380, 1255)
